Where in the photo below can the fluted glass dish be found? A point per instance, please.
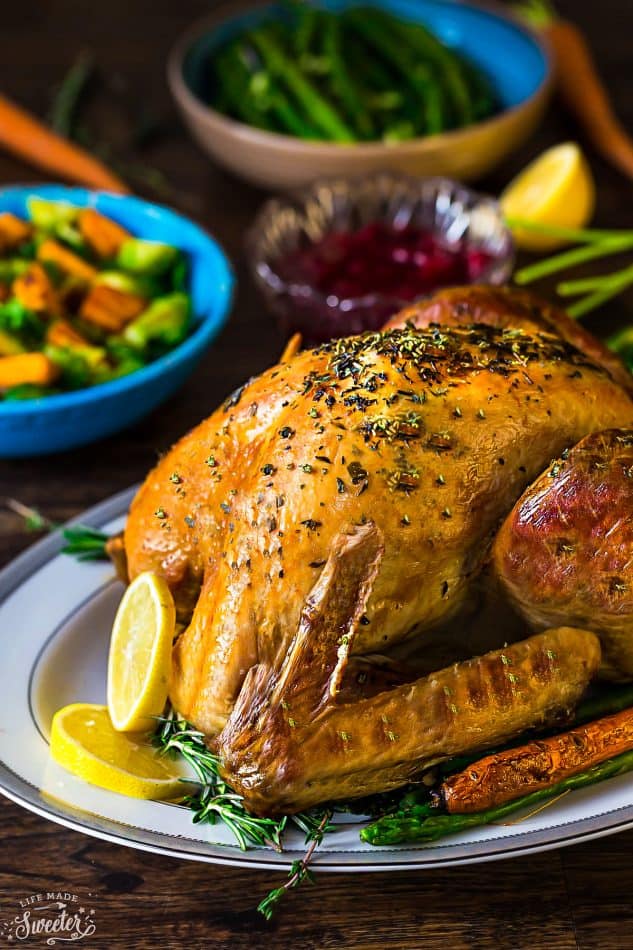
(454, 215)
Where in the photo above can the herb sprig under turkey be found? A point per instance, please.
(214, 801)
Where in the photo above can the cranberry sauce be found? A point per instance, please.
(391, 266)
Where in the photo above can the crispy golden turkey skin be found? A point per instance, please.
(431, 435)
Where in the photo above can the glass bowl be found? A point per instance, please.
(456, 216)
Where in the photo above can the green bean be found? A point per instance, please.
(306, 26)
(234, 81)
(482, 93)
(384, 84)
(322, 112)
(290, 120)
(342, 84)
(416, 74)
(421, 823)
(365, 64)
(448, 66)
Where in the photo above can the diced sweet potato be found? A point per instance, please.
(34, 290)
(35, 368)
(63, 333)
(110, 309)
(55, 253)
(104, 235)
(13, 231)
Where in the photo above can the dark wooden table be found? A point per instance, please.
(579, 897)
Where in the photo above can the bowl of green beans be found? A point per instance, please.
(283, 93)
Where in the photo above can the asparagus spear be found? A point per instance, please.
(421, 824)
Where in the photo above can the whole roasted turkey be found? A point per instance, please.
(340, 509)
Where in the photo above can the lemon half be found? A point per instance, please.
(557, 188)
(84, 742)
(139, 664)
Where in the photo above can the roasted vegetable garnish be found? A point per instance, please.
(13, 232)
(109, 308)
(34, 368)
(68, 262)
(34, 289)
(85, 298)
(505, 776)
(103, 235)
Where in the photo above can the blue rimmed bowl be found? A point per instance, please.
(513, 58)
(67, 420)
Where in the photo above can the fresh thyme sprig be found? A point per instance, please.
(82, 542)
(216, 801)
(300, 872)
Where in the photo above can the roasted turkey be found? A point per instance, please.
(343, 505)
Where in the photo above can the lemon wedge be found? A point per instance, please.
(139, 664)
(84, 742)
(557, 188)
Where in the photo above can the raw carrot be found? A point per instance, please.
(34, 368)
(579, 84)
(542, 763)
(584, 94)
(24, 135)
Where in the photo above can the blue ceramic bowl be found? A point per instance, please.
(515, 60)
(67, 420)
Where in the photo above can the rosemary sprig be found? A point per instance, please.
(63, 114)
(215, 801)
(85, 543)
(82, 542)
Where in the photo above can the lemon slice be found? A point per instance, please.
(140, 654)
(557, 188)
(84, 742)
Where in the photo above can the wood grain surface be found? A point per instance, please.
(577, 897)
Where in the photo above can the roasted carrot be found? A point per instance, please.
(504, 776)
(103, 234)
(579, 85)
(35, 291)
(63, 333)
(291, 348)
(35, 368)
(111, 309)
(13, 231)
(24, 135)
(55, 253)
